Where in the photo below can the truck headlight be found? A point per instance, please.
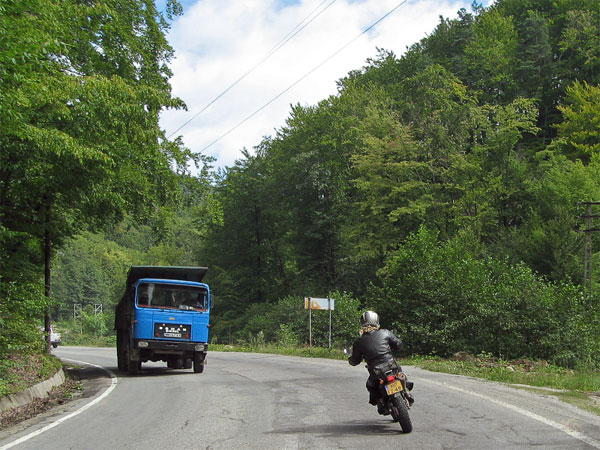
(199, 347)
(142, 344)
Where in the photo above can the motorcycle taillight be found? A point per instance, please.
(390, 378)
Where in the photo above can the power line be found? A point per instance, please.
(297, 29)
(366, 30)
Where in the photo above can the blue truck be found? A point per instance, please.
(163, 316)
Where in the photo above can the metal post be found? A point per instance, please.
(587, 246)
(329, 307)
(587, 252)
(309, 324)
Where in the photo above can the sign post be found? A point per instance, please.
(330, 308)
(311, 303)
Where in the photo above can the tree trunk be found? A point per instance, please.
(47, 259)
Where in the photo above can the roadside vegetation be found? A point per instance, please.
(19, 372)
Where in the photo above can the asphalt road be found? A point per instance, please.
(259, 401)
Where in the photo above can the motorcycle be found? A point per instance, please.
(394, 398)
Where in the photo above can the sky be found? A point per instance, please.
(239, 65)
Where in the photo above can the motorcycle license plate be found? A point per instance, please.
(393, 387)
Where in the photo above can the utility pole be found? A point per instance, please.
(587, 246)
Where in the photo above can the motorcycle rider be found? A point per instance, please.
(375, 345)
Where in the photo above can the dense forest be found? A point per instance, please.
(445, 188)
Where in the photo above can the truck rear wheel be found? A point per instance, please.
(199, 362)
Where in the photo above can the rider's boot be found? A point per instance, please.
(382, 408)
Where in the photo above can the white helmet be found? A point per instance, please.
(369, 318)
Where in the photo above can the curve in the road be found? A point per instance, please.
(98, 399)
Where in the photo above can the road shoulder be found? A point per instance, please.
(81, 384)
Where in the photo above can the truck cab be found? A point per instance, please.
(163, 316)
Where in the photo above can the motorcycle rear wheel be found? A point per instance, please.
(400, 414)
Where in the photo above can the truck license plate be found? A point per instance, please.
(171, 330)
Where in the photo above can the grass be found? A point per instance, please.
(580, 388)
(582, 400)
(20, 371)
(306, 352)
(526, 372)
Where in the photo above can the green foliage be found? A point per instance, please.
(94, 324)
(524, 372)
(80, 141)
(89, 271)
(19, 371)
(87, 330)
(490, 55)
(451, 302)
(458, 135)
(286, 323)
(579, 133)
(286, 337)
(480, 140)
(21, 308)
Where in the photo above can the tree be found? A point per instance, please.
(245, 241)
(406, 168)
(533, 73)
(82, 140)
(490, 56)
(446, 45)
(581, 39)
(579, 133)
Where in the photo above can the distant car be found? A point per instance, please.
(55, 338)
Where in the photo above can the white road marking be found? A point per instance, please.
(98, 399)
(564, 428)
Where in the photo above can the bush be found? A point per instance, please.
(22, 308)
(286, 336)
(443, 300)
(287, 320)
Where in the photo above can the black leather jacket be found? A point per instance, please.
(375, 348)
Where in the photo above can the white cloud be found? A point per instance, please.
(218, 41)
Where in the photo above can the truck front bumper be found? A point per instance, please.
(173, 347)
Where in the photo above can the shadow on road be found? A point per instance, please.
(154, 372)
(86, 372)
(383, 428)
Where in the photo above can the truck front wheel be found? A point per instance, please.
(199, 362)
(133, 365)
(121, 352)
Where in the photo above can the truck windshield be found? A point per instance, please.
(172, 296)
